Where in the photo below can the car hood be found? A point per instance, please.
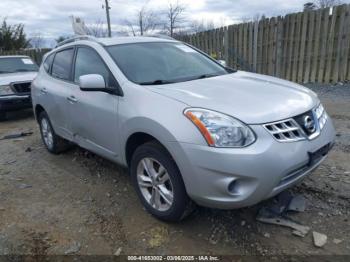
(252, 98)
(6, 79)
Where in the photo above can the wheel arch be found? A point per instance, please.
(142, 130)
(38, 109)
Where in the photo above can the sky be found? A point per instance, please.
(50, 18)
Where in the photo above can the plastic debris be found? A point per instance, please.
(319, 239)
(267, 216)
(297, 203)
(17, 135)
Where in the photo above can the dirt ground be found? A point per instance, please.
(78, 203)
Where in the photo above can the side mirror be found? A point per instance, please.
(95, 83)
(91, 82)
(222, 62)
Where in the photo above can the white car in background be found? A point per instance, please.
(16, 76)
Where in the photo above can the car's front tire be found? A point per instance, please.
(3, 116)
(54, 144)
(158, 183)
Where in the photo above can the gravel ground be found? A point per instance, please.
(78, 203)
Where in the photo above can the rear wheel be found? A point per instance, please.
(158, 183)
(53, 142)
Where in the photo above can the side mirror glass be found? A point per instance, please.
(92, 82)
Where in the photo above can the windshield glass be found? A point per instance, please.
(162, 63)
(17, 64)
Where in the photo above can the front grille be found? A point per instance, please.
(305, 126)
(23, 87)
(300, 119)
(285, 131)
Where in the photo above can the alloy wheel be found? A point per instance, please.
(47, 132)
(155, 184)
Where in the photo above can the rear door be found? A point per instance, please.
(95, 114)
(56, 90)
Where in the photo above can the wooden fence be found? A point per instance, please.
(35, 54)
(312, 46)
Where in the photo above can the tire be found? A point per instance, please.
(53, 143)
(3, 116)
(155, 156)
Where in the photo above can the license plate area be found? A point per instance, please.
(314, 157)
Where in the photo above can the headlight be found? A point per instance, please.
(6, 90)
(220, 130)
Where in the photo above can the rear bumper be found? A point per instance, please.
(234, 178)
(15, 102)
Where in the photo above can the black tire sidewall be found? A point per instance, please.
(3, 116)
(156, 151)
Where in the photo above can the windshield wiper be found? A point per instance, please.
(206, 76)
(156, 82)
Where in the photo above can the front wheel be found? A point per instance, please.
(158, 183)
(3, 116)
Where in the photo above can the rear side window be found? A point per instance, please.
(48, 63)
(89, 62)
(62, 64)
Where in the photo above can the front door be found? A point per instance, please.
(94, 115)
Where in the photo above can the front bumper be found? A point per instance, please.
(229, 178)
(15, 102)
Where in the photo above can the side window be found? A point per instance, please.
(62, 64)
(48, 62)
(89, 62)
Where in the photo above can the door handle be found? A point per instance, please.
(43, 91)
(72, 99)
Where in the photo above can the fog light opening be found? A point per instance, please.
(233, 187)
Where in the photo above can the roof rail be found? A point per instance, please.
(161, 36)
(77, 38)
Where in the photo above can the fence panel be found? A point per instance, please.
(312, 46)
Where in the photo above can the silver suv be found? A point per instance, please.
(189, 129)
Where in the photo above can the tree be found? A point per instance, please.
(37, 41)
(146, 21)
(255, 18)
(310, 6)
(200, 26)
(328, 3)
(61, 39)
(174, 17)
(12, 37)
(98, 29)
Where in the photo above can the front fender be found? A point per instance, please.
(147, 126)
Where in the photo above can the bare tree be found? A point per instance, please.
(37, 41)
(174, 17)
(328, 3)
(146, 21)
(200, 26)
(255, 18)
(98, 29)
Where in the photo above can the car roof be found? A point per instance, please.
(115, 40)
(132, 39)
(14, 56)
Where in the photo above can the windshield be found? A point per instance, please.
(162, 63)
(17, 64)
